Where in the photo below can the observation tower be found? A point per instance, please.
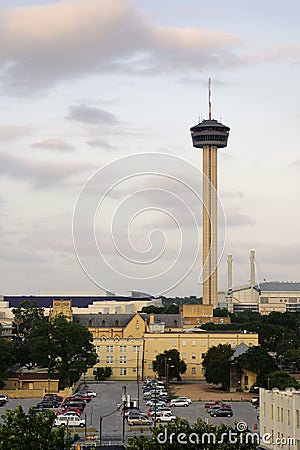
(210, 135)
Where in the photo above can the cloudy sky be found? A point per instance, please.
(84, 83)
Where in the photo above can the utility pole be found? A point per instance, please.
(123, 413)
(138, 376)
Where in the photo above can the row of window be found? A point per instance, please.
(122, 348)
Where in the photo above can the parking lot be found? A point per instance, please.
(109, 393)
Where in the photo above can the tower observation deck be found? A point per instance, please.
(210, 135)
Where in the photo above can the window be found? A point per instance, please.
(123, 371)
(264, 300)
(123, 349)
(288, 417)
(272, 411)
(297, 418)
(203, 343)
(193, 355)
(109, 360)
(123, 360)
(203, 355)
(194, 343)
(109, 349)
(174, 343)
(183, 355)
(97, 349)
(213, 343)
(183, 343)
(193, 370)
(136, 348)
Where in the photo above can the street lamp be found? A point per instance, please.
(167, 368)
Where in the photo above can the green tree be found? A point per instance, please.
(257, 360)
(216, 363)
(102, 373)
(26, 315)
(7, 358)
(221, 312)
(33, 431)
(282, 380)
(180, 435)
(169, 365)
(62, 346)
(292, 357)
(71, 350)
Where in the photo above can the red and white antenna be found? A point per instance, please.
(209, 98)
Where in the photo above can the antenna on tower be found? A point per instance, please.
(209, 98)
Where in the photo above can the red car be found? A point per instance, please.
(74, 410)
(86, 398)
(210, 404)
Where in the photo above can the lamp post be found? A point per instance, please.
(138, 376)
(100, 424)
(167, 369)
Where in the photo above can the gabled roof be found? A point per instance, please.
(103, 320)
(239, 350)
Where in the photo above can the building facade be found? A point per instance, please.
(280, 418)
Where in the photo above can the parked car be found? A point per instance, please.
(81, 396)
(158, 409)
(68, 414)
(222, 412)
(164, 416)
(72, 410)
(90, 393)
(130, 411)
(71, 421)
(4, 397)
(138, 419)
(185, 398)
(179, 402)
(153, 402)
(210, 404)
(47, 404)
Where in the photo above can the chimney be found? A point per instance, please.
(229, 269)
(252, 268)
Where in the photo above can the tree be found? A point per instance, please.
(63, 347)
(217, 365)
(33, 431)
(221, 312)
(102, 373)
(169, 364)
(26, 315)
(7, 358)
(257, 360)
(292, 357)
(282, 380)
(71, 350)
(180, 435)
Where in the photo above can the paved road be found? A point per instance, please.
(109, 393)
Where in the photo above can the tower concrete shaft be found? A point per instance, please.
(209, 225)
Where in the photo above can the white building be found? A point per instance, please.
(280, 419)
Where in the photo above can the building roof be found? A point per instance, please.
(239, 350)
(77, 301)
(170, 320)
(279, 286)
(103, 320)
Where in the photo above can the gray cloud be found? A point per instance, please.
(54, 144)
(40, 173)
(99, 143)
(91, 115)
(41, 45)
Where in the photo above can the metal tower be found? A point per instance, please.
(210, 135)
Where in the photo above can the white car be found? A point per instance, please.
(91, 393)
(179, 402)
(185, 398)
(4, 397)
(69, 421)
(164, 416)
